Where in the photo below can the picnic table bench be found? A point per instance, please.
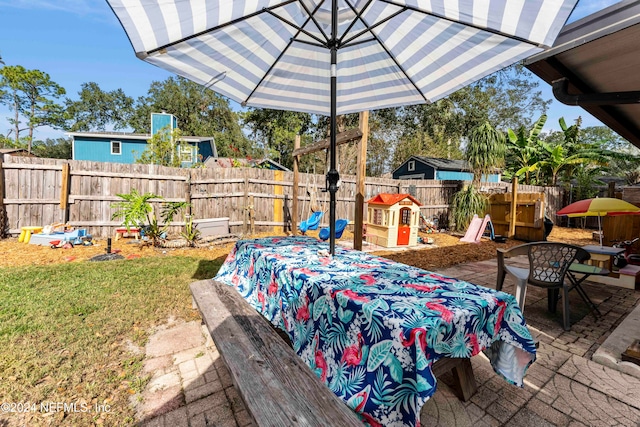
(277, 387)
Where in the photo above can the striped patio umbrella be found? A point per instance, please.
(599, 206)
(334, 57)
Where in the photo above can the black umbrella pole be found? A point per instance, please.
(332, 176)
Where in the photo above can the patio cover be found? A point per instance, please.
(599, 54)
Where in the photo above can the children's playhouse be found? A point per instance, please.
(393, 220)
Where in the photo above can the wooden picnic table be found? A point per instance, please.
(370, 328)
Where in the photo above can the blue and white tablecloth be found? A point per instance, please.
(371, 328)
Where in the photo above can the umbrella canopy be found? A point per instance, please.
(600, 206)
(335, 57)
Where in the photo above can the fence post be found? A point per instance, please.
(64, 191)
(251, 220)
(3, 209)
(361, 174)
(514, 205)
(187, 193)
(294, 195)
(245, 216)
(278, 207)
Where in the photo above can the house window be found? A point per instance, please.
(411, 166)
(186, 153)
(115, 148)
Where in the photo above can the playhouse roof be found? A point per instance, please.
(391, 199)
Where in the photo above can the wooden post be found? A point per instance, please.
(278, 207)
(3, 210)
(611, 190)
(187, 193)
(245, 215)
(251, 221)
(296, 180)
(361, 174)
(514, 205)
(64, 192)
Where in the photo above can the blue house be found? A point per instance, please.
(418, 167)
(120, 147)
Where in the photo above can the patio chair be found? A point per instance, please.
(548, 265)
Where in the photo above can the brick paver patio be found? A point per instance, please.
(564, 387)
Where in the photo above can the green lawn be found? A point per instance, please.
(64, 331)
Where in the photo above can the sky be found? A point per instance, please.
(81, 41)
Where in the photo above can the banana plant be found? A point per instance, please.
(524, 148)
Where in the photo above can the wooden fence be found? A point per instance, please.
(529, 215)
(46, 191)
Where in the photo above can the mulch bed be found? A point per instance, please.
(446, 250)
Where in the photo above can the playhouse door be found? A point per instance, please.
(404, 228)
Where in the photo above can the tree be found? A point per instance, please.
(31, 94)
(200, 112)
(59, 148)
(433, 130)
(625, 157)
(11, 95)
(162, 149)
(586, 177)
(275, 131)
(508, 99)
(380, 147)
(96, 109)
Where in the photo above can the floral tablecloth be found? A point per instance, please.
(371, 328)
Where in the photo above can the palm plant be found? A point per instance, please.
(135, 210)
(485, 151)
(466, 203)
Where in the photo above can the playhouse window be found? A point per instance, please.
(377, 216)
(115, 148)
(411, 166)
(405, 216)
